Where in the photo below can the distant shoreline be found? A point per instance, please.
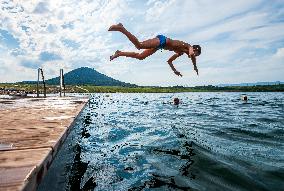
(14, 88)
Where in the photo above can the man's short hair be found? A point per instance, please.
(197, 48)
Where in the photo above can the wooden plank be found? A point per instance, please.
(31, 132)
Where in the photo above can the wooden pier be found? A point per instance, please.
(31, 133)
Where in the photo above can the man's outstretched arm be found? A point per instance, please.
(170, 62)
(193, 59)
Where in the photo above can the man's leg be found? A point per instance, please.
(148, 44)
(136, 55)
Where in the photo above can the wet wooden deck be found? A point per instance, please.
(31, 132)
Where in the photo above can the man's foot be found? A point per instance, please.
(117, 27)
(116, 54)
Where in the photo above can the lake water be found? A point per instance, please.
(211, 141)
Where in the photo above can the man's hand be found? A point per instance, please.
(195, 68)
(172, 66)
(177, 73)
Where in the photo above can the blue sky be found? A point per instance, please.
(242, 41)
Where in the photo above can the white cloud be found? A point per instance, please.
(280, 53)
(224, 29)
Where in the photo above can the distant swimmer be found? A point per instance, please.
(244, 98)
(154, 44)
(176, 101)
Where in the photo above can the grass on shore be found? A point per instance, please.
(31, 88)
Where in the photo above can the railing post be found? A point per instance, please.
(44, 87)
(37, 86)
(61, 81)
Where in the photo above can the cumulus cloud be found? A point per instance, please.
(280, 53)
(235, 37)
(41, 8)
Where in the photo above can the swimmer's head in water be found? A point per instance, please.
(196, 50)
(176, 101)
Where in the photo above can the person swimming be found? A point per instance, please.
(154, 44)
(176, 101)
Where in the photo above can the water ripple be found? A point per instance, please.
(211, 141)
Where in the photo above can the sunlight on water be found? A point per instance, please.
(211, 141)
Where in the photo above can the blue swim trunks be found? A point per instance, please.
(162, 39)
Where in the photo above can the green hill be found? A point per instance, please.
(87, 76)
